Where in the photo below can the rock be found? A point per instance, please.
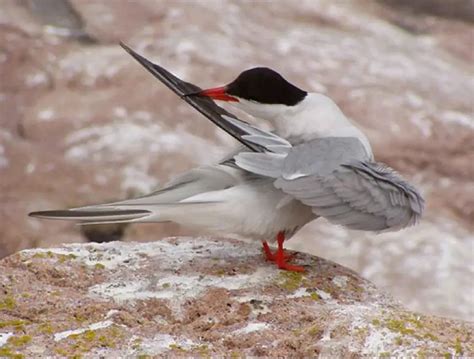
(204, 297)
(82, 123)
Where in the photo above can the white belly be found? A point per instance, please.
(250, 209)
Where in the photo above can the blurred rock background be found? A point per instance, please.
(81, 122)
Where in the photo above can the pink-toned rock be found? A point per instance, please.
(204, 297)
(83, 123)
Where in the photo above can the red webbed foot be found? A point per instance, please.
(290, 267)
(280, 257)
(272, 257)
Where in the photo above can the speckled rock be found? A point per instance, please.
(203, 297)
(83, 123)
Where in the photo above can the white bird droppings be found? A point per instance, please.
(340, 281)
(252, 327)
(4, 338)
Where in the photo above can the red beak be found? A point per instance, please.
(217, 93)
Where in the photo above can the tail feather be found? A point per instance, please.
(185, 213)
(196, 181)
(187, 200)
(98, 215)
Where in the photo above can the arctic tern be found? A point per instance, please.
(316, 163)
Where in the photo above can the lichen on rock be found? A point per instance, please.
(203, 297)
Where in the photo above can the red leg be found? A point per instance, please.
(268, 252)
(269, 256)
(281, 259)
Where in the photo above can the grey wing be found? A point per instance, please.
(359, 195)
(267, 163)
(336, 177)
(228, 159)
(321, 155)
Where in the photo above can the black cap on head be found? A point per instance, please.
(264, 85)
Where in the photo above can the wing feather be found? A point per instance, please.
(375, 198)
(336, 177)
(205, 106)
(263, 164)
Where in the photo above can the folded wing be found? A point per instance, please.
(337, 179)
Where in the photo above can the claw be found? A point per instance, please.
(290, 267)
(280, 257)
(271, 257)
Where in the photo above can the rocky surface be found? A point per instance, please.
(81, 122)
(204, 297)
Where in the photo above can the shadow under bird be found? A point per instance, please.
(316, 163)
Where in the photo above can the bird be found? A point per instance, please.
(314, 163)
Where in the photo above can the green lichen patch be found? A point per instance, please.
(399, 326)
(315, 331)
(79, 344)
(406, 324)
(219, 272)
(297, 332)
(203, 350)
(415, 321)
(19, 341)
(8, 302)
(43, 255)
(46, 328)
(440, 337)
(60, 351)
(421, 354)
(79, 317)
(16, 342)
(290, 280)
(16, 324)
(62, 258)
(6, 352)
(431, 336)
(177, 347)
(458, 347)
(99, 266)
(137, 343)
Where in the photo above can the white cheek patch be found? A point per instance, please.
(262, 111)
